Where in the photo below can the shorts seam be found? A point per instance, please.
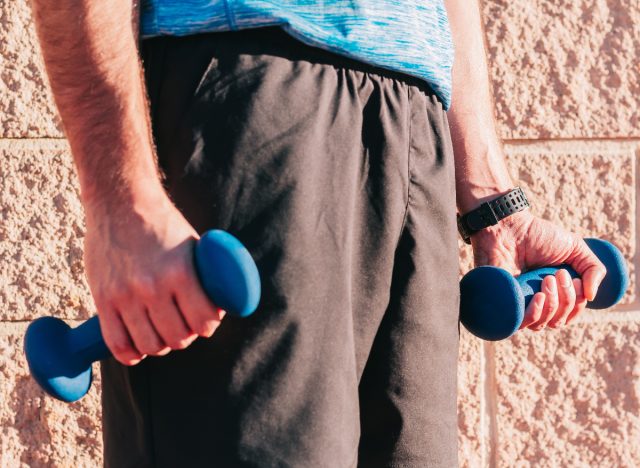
(406, 208)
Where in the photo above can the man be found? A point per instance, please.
(317, 134)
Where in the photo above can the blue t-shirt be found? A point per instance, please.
(409, 36)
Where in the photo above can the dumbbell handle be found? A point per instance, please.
(531, 281)
(86, 340)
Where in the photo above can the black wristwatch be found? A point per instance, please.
(489, 213)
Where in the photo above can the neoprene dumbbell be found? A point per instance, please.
(60, 357)
(492, 301)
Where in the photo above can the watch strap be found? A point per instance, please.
(489, 213)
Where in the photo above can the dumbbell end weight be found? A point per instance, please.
(60, 361)
(616, 282)
(227, 273)
(491, 303)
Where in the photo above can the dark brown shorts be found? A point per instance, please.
(338, 177)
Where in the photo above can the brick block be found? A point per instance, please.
(570, 397)
(564, 69)
(39, 431)
(26, 105)
(41, 233)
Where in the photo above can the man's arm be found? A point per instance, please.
(520, 241)
(137, 245)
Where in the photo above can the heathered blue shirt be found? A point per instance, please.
(409, 36)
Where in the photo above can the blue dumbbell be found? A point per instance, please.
(60, 357)
(492, 301)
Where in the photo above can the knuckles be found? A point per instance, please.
(551, 303)
(181, 343)
(123, 350)
(146, 286)
(152, 348)
(568, 299)
(206, 328)
(145, 289)
(177, 274)
(120, 293)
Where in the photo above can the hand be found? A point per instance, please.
(139, 265)
(522, 242)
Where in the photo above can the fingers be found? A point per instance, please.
(148, 294)
(199, 313)
(566, 298)
(534, 310)
(116, 336)
(560, 300)
(550, 290)
(142, 332)
(169, 323)
(591, 280)
(156, 315)
(581, 302)
(589, 267)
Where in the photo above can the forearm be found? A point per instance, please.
(90, 52)
(481, 171)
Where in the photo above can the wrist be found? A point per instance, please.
(514, 227)
(491, 212)
(124, 176)
(125, 200)
(480, 178)
(472, 199)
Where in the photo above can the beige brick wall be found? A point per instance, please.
(566, 81)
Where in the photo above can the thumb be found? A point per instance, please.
(589, 267)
